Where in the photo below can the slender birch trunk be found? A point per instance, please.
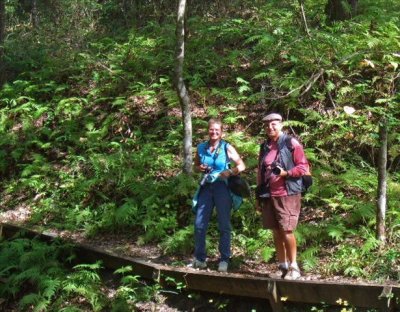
(181, 88)
(382, 183)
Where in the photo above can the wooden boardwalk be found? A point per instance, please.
(276, 291)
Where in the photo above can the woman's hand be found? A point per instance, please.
(202, 167)
(226, 173)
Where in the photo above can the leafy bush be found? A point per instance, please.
(39, 277)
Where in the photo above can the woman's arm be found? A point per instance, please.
(239, 164)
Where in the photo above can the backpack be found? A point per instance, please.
(306, 179)
(236, 183)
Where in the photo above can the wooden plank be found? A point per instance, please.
(277, 291)
(358, 295)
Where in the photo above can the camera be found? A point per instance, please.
(275, 168)
(207, 172)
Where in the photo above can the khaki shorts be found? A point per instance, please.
(281, 212)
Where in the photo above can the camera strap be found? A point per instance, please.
(264, 151)
(216, 153)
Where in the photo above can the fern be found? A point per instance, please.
(30, 300)
(49, 287)
(309, 257)
(180, 242)
(336, 232)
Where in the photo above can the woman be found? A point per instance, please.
(213, 159)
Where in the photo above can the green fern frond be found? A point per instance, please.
(89, 266)
(42, 305)
(336, 231)
(126, 213)
(130, 280)
(31, 299)
(309, 257)
(48, 287)
(123, 270)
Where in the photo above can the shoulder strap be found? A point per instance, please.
(286, 141)
(226, 153)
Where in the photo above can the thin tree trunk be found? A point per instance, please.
(339, 10)
(2, 23)
(303, 17)
(181, 89)
(382, 183)
(2, 38)
(34, 14)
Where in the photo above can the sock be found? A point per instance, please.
(294, 265)
(284, 265)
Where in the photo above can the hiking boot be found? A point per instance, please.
(292, 274)
(197, 264)
(281, 273)
(223, 266)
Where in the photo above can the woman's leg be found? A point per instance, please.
(203, 214)
(223, 204)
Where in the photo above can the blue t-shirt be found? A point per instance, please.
(217, 160)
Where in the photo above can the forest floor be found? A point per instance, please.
(125, 245)
(170, 300)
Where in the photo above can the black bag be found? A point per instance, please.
(262, 191)
(307, 181)
(239, 186)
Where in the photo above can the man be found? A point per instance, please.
(282, 163)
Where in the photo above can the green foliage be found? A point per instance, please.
(91, 131)
(36, 276)
(180, 242)
(40, 279)
(131, 290)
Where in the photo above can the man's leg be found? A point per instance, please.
(290, 246)
(279, 241)
(287, 209)
(291, 251)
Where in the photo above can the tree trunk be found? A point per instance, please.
(382, 183)
(34, 14)
(2, 38)
(339, 10)
(2, 23)
(181, 89)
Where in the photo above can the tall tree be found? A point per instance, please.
(382, 182)
(2, 37)
(181, 88)
(339, 10)
(34, 14)
(390, 86)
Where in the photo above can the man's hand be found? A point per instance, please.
(283, 172)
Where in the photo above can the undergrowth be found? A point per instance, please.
(42, 277)
(91, 130)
